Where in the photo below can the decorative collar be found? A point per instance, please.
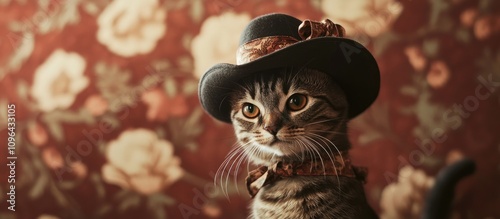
(341, 166)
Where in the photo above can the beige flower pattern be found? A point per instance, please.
(58, 80)
(217, 41)
(129, 28)
(138, 160)
(405, 198)
(362, 16)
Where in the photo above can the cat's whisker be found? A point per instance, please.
(327, 152)
(312, 141)
(322, 138)
(238, 158)
(236, 172)
(272, 157)
(311, 150)
(221, 180)
(301, 149)
(307, 149)
(326, 131)
(318, 145)
(236, 151)
(249, 156)
(334, 146)
(228, 172)
(304, 148)
(321, 121)
(294, 152)
(302, 154)
(330, 152)
(250, 153)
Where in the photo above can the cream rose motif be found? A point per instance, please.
(58, 80)
(138, 160)
(362, 16)
(129, 28)
(217, 41)
(405, 198)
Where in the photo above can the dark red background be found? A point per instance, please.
(454, 41)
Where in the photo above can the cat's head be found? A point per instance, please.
(289, 115)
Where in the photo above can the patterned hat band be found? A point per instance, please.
(308, 29)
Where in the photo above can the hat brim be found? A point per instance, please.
(349, 63)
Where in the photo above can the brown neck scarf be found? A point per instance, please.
(341, 166)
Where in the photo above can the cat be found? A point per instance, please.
(297, 116)
(286, 116)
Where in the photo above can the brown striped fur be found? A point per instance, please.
(312, 133)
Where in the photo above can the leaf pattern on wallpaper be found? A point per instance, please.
(438, 18)
(185, 131)
(58, 15)
(374, 124)
(22, 44)
(37, 180)
(382, 41)
(55, 120)
(49, 16)
(157, 203)
(489, 75)
(489, 64)
(430, 115)
(430, 48)
(113, 83)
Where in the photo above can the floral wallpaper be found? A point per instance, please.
(99, 114)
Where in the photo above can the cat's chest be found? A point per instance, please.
(306, 197)
(289, 198)
(278, 200)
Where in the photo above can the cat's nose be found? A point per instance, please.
(272, 123)
(271, 129)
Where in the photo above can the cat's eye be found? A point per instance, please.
(250, 111)
(297, 102)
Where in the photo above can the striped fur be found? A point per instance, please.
(312, 133)
(312, 197)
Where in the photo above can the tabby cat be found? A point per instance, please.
(295, 116)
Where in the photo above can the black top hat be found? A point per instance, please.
(278, 41)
